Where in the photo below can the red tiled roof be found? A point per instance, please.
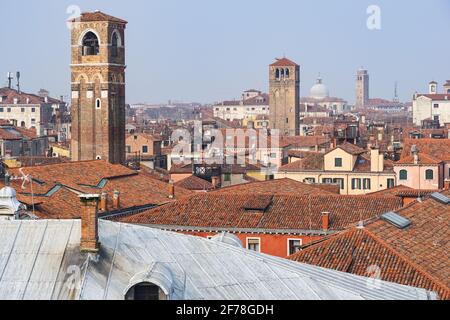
(22, 98)
(195, 183)
(285, 212)
(351, 148)
(305, 141)
(277, 186)
(403, 191)
(97, 16)
(424, 159)
(136, 189)
(416, 256)
(284, 62)
(312, 161)
(437, 148)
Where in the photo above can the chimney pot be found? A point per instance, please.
(325, 221)
(89, 223)
(103, 202)
(116, 200)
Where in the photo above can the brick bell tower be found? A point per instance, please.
(98, 87)
(284, 90)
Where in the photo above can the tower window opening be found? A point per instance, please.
(91, 45)
(98, 104)
(287, 73)
(277, 74)
(282, 73)
(114, 45)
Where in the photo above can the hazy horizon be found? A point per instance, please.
(205, 51)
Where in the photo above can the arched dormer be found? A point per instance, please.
(90, 44)
(156, 283)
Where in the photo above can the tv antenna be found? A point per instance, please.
(10, 77)
(396, 99)
(18, 80)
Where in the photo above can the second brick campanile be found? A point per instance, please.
(98, 87)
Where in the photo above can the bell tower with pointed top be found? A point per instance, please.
(98, 87)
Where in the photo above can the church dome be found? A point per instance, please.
(319, 90)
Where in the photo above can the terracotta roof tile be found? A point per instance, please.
(278, 186)
(284, 62)
(437, 148)
(286, 212)
(195, 183)
(136, 189)
(98, 16)
(416, 256)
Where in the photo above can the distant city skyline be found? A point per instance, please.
(204, 51)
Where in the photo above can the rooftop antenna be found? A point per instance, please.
(18, 80)
(10, 77)
(396, 99)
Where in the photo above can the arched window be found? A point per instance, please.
(287, 73)
(403, 175)
(282, 73)
(22, 124)
(90, 44)
(429, 174)
(277, 74)
(114, 44)
(98, 104)
(145, 291)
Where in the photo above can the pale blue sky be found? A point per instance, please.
(209, 50)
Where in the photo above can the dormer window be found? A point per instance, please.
(145, 291)
(90, 44)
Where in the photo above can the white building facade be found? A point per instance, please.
(432, 106)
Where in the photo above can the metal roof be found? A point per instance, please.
(41, 259)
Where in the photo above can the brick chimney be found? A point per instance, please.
(103, 202)
(89, 223)
(325, 221)
(116, 200)
(171, 190)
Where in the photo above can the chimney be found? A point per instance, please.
(103, 202)
(447, 185)
(116, 200)
(215, 181)
(89, 223)
(376, 160)
(171, 190)
(325, 221)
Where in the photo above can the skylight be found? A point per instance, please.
(440, 197)
(396, 220)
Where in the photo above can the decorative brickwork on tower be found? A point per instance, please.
(98, 88)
